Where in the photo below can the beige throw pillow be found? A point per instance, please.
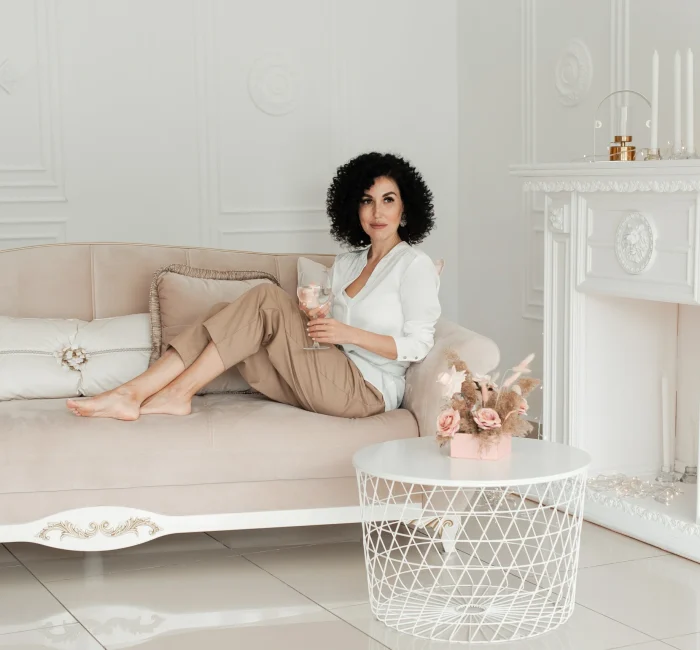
(181, 295)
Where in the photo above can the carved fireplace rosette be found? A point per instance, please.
(556, 218)
(635, 243)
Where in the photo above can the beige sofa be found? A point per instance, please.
(237, 461)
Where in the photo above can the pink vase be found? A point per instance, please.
(468, 445)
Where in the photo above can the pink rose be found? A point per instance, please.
(524, 406)
(448, 423)
(487, 418)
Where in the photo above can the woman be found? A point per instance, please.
(383, 315)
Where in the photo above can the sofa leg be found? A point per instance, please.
(445, 529)
(449, 533)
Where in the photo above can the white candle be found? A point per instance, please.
(654, 142)
(689, 110)
(623, 120)
(665, 429)
(677, 102)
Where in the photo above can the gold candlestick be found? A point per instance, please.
(621, 149)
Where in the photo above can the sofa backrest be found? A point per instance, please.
(90, 281)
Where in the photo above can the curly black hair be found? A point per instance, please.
(355, 177)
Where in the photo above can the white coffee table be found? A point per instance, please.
(501, 561)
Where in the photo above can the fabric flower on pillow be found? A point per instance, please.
(72, 357)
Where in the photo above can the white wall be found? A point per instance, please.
(531, 74)
(220, 123)
(493, 236)
(124, 120)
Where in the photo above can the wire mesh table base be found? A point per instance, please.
(472, 565)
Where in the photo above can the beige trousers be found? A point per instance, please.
(264, 333)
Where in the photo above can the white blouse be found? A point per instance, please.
(400, 299)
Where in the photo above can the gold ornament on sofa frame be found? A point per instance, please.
(69, 529)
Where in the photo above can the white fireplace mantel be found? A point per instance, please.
(621, 310)
(663, 176)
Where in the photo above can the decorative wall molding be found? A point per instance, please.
(43, 181)
(612, 185)
(264, 79)
(573, 73)
(341, 144)
(23, 232)
(271, 230)
(528, 88)
(274, 83)
(4, 83)
(256, 222)
(635, 243)
(533, 285)
(317, 238)
(277, 211)
(31, 193)
(533, 295)
(202, 22)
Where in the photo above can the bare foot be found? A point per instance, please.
(120, 404)
(167, 402)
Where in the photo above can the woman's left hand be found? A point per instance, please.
(329, 330)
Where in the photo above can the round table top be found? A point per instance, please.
(422, 461)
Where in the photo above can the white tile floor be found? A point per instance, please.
(305, 589)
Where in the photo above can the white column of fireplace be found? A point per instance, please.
(622, 310)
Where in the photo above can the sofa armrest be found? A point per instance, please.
(423, 396)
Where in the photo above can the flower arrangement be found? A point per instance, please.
(476, 404)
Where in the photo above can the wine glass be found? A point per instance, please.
(314, 291)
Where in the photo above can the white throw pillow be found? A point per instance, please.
(54, 358)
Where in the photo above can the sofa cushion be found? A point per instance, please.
(181, 295)
(226, 439)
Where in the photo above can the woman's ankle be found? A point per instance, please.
(131, 392)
